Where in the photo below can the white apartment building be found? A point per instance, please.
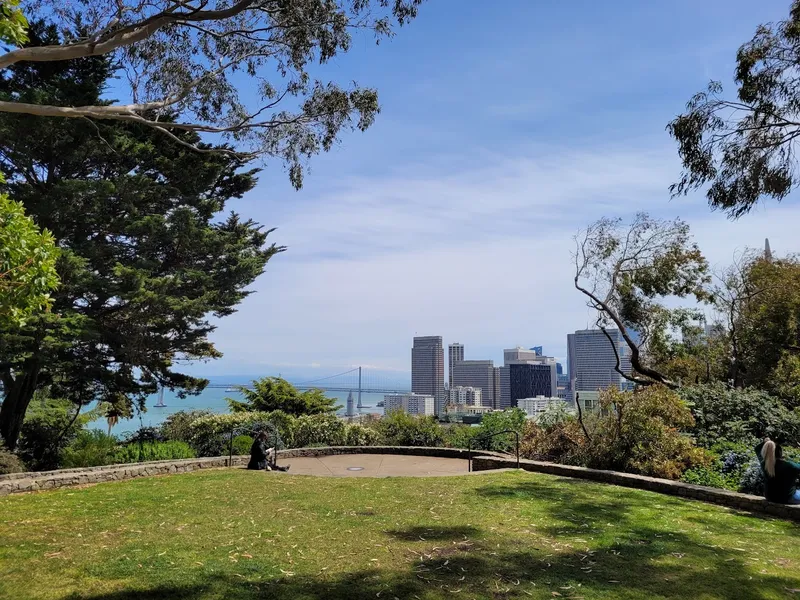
(466, 395)
(413, 404)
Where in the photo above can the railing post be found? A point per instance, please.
(516, 433)
(469, 456)
(230, 449)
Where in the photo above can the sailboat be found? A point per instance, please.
(160, 403)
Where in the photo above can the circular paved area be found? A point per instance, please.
(375, 465)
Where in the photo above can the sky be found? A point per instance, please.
(505, 127)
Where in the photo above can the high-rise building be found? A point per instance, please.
(455, 354)
(504, 394)
(427, 369)
(496, 399)
(521, 355)
(592, 361)
(559, 369)
(467, 396)
(351, 405)
(529, 379)
(539, 350)
(413, 404)
(518, 353)
(476, 373)
(564, 389)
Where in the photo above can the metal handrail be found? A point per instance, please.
(488, 437)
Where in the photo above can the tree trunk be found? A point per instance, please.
(16, 401)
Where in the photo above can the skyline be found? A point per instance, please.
(484, 162)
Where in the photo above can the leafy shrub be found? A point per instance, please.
(459, 436)
(560, 442)
(177, 426)
(356, 434)
(48, 429)
(722, 413)
(639, 432)
(398, 428)
(90, 449)
(488, 436)
(711, 477)
(147, 451)
(320, 429)
(10, 462)
(752, 481)
(143, 434)
(210, 435)
(242, 444)
(275, 393)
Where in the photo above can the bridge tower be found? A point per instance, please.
(360, 405)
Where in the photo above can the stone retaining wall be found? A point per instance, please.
(48, 480)
(664, 486)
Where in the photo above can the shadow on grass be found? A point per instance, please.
(438, 533)
(675, 566)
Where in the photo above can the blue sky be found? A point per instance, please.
(505, 127)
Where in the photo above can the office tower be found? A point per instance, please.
(476, 373)
(413, 404)
(592, 360)
(539, 350)
(559, 369)
(427, 369)
(466, 396)
(504, 394)
(564, 389)
(455, 354)
(496, 399)
(519, 353)
(528, 380)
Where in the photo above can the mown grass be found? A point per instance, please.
(243, 535)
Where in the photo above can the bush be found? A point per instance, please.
(147, 451)
(459, 436)
(561, 442)
(488, 436)
(722, 413)
(398, 428)
(10, 462)
(48, 429)
(210, 435)
(318, 430)
(639, 432)
(178, 426)
(711, 477)
(242, 444)
(90, 449)
(143, 434)
(358, 435)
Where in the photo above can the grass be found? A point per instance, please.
(243, 535)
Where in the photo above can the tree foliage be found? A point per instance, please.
(275, 393)
(762, 304)
(626, 271)
(743, 148)
(27, 264)
(196, 58)
(13, 24)
(148, 253)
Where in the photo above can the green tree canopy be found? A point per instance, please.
(149, 254)
(275, 393)
(627, 271)
(13, 24)
(196, 58)
(27, 264)
(743, 148)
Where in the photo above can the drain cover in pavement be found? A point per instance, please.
(355, 468)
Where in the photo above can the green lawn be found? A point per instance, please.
(236, 534)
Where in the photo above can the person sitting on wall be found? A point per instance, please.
(780, 476)
(261, 457)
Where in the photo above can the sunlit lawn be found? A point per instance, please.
(241, 535)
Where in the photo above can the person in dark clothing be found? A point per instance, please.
(780, 476)
(261, 457)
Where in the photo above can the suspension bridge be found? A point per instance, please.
(356, 379)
